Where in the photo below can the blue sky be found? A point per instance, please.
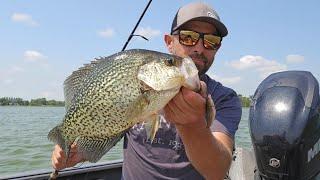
(42, 42)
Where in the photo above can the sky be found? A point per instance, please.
(42, 42)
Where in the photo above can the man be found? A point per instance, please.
(184, 147)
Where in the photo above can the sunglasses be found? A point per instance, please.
(191, 38)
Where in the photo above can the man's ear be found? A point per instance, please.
(168, 39)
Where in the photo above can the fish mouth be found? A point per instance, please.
(190, 73)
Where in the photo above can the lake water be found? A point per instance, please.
(24, 145)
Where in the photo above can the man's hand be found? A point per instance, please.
(188, 108)
(59, 159)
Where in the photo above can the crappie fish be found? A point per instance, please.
(111, 94)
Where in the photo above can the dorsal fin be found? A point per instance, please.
(73, 83)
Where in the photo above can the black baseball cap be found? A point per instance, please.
(201, 12)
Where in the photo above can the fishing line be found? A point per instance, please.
(134, 29)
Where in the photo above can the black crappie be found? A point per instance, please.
(108, 96)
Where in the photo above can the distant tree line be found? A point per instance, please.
(245, 101)
(14, 101)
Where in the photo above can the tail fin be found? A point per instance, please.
(56, 136)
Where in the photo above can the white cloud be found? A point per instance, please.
(46, 94)
(7, 76)
(106, 33)
(257, 63)
(148, 32)
(294, 58)
(51, 94)
(7, 81)
(53, 90)
(24, 18)
(247, 62)
(33, 56)
(11, 71)
(227, 80)
(271, 68)
(16, 69)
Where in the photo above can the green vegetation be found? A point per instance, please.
(245, 101)
(13, 101)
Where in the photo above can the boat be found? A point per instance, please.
(284, 124)
(104, 170)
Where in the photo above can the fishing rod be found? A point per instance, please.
(134, 29)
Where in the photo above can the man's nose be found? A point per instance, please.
(199, 46)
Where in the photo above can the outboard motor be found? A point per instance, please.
(285, 127)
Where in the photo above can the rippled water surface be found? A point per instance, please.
(24, 145)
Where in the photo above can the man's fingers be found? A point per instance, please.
(58, 158)
(168, 113)
(191, 99)
(73, 146)
(57, 165)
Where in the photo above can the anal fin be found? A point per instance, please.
(93, 149)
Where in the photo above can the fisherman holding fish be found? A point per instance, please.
(189, 143)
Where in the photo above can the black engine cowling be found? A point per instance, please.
(285, 126)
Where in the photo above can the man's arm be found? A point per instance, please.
(209, 152)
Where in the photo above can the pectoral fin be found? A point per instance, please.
(152, 126)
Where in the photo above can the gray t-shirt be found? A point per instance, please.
(166, 158)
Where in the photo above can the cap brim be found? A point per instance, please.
(221, 28)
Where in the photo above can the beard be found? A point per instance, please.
(202, 63)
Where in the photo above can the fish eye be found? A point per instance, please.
(169, 62)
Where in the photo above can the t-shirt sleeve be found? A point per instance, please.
(228, 111)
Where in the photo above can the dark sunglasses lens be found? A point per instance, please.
(188, 38)
(211, 41)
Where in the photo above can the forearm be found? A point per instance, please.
(207, 153)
